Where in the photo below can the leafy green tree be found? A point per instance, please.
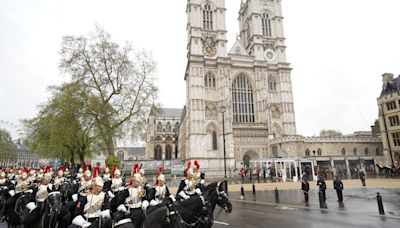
(8, 150)
(62, 128)
(119, 79)
(329, 132)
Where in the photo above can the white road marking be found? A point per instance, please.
(222, 223)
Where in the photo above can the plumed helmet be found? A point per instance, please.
(161, 177)
(137, 177)
(117, 173)
(80, 170)
(141, 169)
(2, 174)
(24, 175)
(190, 171)
(87, 173)
(98, 181)
(47, 176)
(96, 171)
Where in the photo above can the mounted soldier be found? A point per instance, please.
(86, 182)
(187, 185)
(42, 192)
(59, 178)
(11, 174)
(160, 191)
(117, 183)
(93, 209)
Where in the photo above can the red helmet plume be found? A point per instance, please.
(114, 168)
(96, 171)
(61, 168)
(87, 166)
(196, 163)
(188, 167)
(160, 169)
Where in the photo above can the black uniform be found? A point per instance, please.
(338, 186)
(322, 187)
(305, 187)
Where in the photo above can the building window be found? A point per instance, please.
(366, 151)
(343, 151)
(214, 141)
(168, 139)
(207, 17)
(319, 152)
(391, 105)
(242, 96)
(394, 120)
(159, 127)
(177, 127)
(248, 33)
(209, 80)
(396, 138)
(121, 155)
(272, 85)
(168, 152)
(377, 151)
(158, 153)
(355, 151)
(307, 152)
(158, 138)
(266, 24)
(168, 127)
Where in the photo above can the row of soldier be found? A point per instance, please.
(98, 196)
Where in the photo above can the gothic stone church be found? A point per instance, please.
(247, 87)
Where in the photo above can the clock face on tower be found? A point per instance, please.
(269, 55)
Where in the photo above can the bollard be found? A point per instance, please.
(254, 189)
(380, 204)
(321, 199)
(226, 187)
(241, 193)
(276, 195)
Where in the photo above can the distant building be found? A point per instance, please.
(130, 153)
(389, 122)
(345, 153)
(26, 157)
(162, 134)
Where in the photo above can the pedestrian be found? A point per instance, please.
(362, 177)
(258, 175)
(243, 174)
(338, 186)
(322, 187)
(305, 187)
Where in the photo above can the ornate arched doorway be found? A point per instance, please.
(249, 155)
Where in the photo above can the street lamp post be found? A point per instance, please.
(222, 110)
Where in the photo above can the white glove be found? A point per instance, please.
(153, 203)
(11, 192)
(105, 214)
(172, 197)
(74, 181)
(198, 191)
(5, 187)
(122, 208)
(29, 191)
(183, 195)
(75, 197)
(31, 206)
(121, 188)
(110, 194)
(13, 182)
(202, 181)
(145, 204)
(80, 221)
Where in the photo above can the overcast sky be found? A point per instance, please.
(338, 50)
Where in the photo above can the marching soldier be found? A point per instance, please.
(94, 209)
(187, 187)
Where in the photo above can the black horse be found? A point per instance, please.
(28, 218)
(197, 211)
(52, 210)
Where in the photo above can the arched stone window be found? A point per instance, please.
(266, 24)
(177, 127)
(159, 127)
(366, 151)
(355, 151)
(242, 96)
(207, 17)
(168, 127)
(272, 85)
(158, 153)
(248, 32)
(377, 152)
(343, 151)
(168, 139)
(214, 141)
(158, 138)
(319, 152)
(307, 152)
(209, 80)
(121, 155)
(168, 152)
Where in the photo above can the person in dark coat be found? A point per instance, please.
(322, 187)
(305, 187)
(362, 177)
(338, 186)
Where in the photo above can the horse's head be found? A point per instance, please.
(54, 202)
(217, 190)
